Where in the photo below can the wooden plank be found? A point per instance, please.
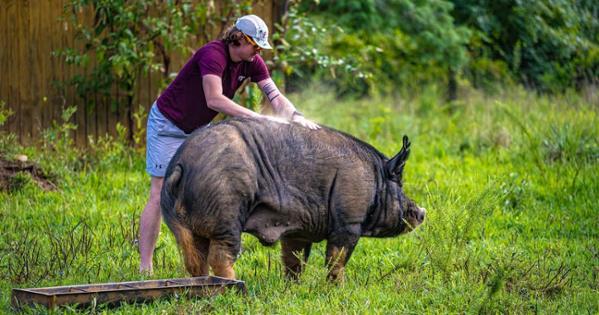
(13, 102)
(103, 115)
(110, 110)
(110, 121)
(112, 102)
(29, 87)
(97, 126)
(55, 34)
(9, 7)
(97, 110)
(149, 99)
(24, 86)
(153, 89)
(84, 110)
(87, 19)
(100, 117)
(139, 100)
(56, 99)
(78, 135)
(60, 99)
(81, 115)
(4, 58)
(45, 20)
(80, 118)
(148, 96)
(36, 69)
(124, 108)
(63, 73)
(22, 77)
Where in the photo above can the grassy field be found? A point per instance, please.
(511, 184)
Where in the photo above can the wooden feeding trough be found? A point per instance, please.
(115, 293)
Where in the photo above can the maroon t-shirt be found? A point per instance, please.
(183, 102)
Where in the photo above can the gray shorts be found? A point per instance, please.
(162, 141)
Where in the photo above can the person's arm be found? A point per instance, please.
(213, 91)
(282, 106)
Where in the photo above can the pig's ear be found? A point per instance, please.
(394, 166)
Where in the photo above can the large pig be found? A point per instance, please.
(281, 181)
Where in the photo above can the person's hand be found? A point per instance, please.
(305, 122)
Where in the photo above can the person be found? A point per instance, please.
(204, 87)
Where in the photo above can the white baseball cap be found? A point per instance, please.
(254, 27)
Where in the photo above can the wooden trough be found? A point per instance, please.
(115, 293)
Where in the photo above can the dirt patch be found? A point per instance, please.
(11, 175)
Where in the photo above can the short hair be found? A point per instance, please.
(232, 36)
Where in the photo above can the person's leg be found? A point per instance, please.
(149, 225)
(163, 140)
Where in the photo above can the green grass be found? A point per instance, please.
(511, 184)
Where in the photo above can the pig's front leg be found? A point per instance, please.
(340, 245)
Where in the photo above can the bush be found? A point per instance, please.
(8, 141)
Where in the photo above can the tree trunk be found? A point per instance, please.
(452, 85)
(279, 9)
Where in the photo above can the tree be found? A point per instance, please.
(545, 45)
(392, 42)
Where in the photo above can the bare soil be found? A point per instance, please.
(10, 169)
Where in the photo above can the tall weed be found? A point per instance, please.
(8, 141)
(59, 154)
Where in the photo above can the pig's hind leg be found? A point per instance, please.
(224, 248)
(194, 250)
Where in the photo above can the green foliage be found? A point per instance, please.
(8, 141)
(569, 144)
(254, 97)
(58, 137)
(509, 229)
(140, 118)
(125, 40)
(364, 47)
(430, 25)
(299, 54)
(19, 181)
(4, 113)
(514, 190)
(546, 45)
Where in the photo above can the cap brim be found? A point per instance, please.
(262, 44)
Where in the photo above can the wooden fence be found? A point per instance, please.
(30, 76)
